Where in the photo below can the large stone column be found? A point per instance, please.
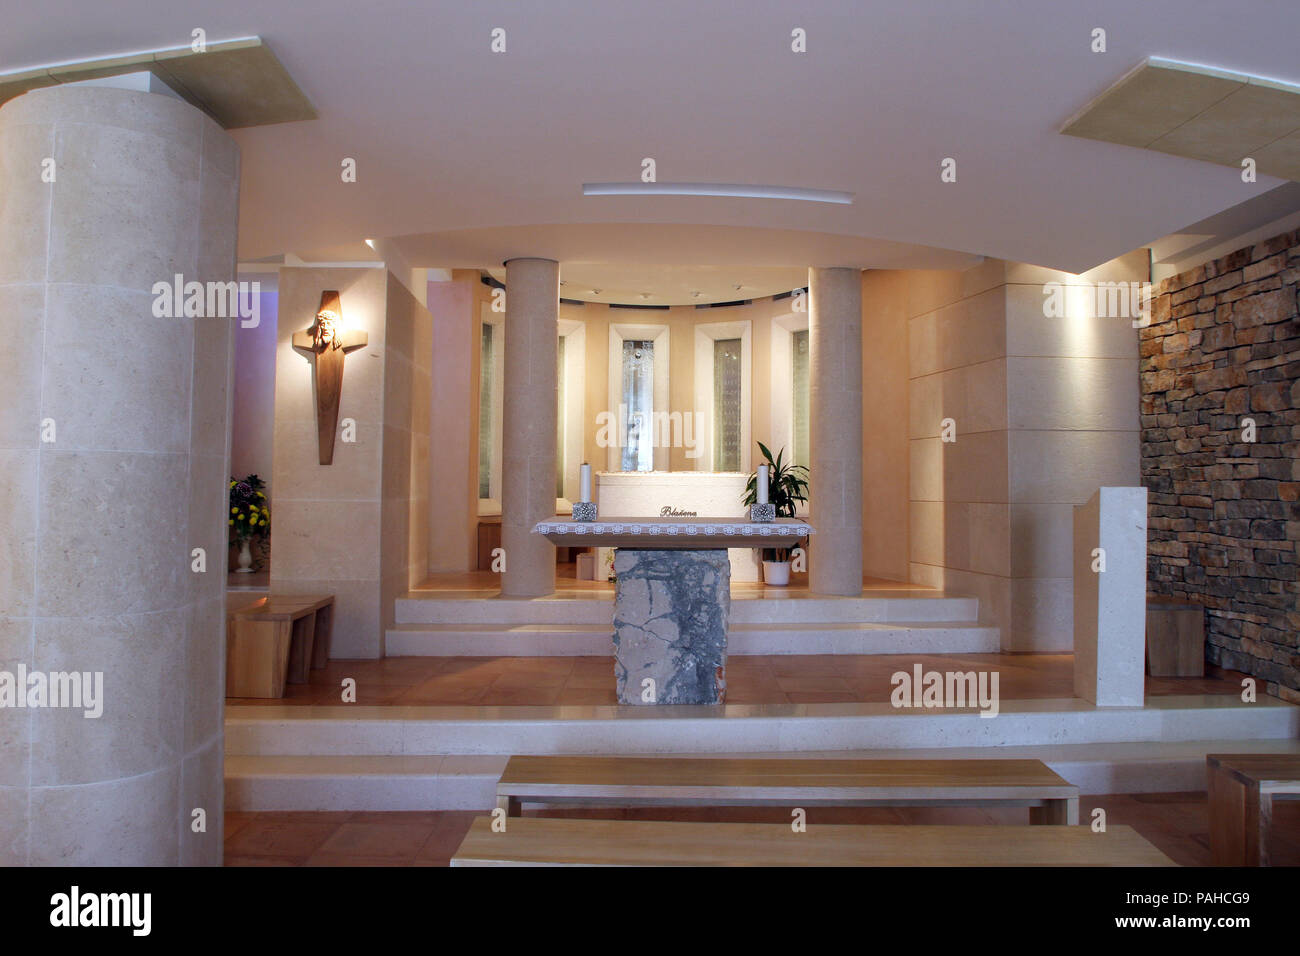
(835, 393)
(114, 444)
(528, 425)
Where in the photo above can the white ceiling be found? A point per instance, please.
(642, 284)
(473, 157)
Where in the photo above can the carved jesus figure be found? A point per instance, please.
(328, 344)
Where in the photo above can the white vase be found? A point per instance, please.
(245, 558)
(776, 573)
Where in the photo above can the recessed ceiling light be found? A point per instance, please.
(595, 292)
(736, 190)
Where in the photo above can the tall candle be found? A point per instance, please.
(762, 484)
(584, 481)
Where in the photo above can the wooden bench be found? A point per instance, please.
(1242, 788)
(540, 841)
(1175, 637)
(277, 639)
(673, 781)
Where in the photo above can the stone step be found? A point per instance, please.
(739, 728)
(915, 605)
(469, 783)
(558, 640)
(362, 782)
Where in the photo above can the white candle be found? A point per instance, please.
(762, 484)
(584, 482)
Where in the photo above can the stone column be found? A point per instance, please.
(528, 425)
(114, 451)
(835, 393)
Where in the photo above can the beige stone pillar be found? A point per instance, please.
(528, 425)
(835, 439)
(114, 450)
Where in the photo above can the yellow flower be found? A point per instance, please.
(234, 511)
(241, 517)
(232, 484)
(231, 521)
(260, 495)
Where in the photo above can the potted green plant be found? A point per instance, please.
(249, 516)
(787, 487)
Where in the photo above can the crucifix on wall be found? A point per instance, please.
(328, 344)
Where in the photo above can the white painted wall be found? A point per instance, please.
(253, 401)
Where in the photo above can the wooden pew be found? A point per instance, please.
(277, 639)
(541, 841)
(782, 781)
(1242, 788)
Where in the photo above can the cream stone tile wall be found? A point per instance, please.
(359, 527)
(1045, 411)
(1072, 405)
(404, 508)
(99, 521)
(453, 415)
(959, 521)
(327, 519)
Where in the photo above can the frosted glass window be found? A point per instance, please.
(486, 411)
(726, 405)
(638, 400)
(799, 388)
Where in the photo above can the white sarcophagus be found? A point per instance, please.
(667, 494)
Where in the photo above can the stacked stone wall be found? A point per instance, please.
(1220, 379)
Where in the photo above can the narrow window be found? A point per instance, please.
(726, 405)
(799, 390)
(638, 399)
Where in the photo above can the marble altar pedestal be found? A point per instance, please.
(670, 626)
(672, 598)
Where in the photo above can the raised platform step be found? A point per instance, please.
(560, 640)
(362, 783)
(739, 728)
(469, 783)
(594, 607)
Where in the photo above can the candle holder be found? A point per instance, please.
(584, 511)
(762, 514)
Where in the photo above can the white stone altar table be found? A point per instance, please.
(675, 534)
(672, 598)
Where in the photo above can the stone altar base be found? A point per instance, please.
(670, 625)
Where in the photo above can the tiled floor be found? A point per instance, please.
(776, 679)
(1176, 823)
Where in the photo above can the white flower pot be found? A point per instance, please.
(776, 573)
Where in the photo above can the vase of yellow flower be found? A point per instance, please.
(249, 516)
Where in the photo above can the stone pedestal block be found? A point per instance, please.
(670, 626)
(1110, 591)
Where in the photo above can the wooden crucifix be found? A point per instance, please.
(328, 344)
